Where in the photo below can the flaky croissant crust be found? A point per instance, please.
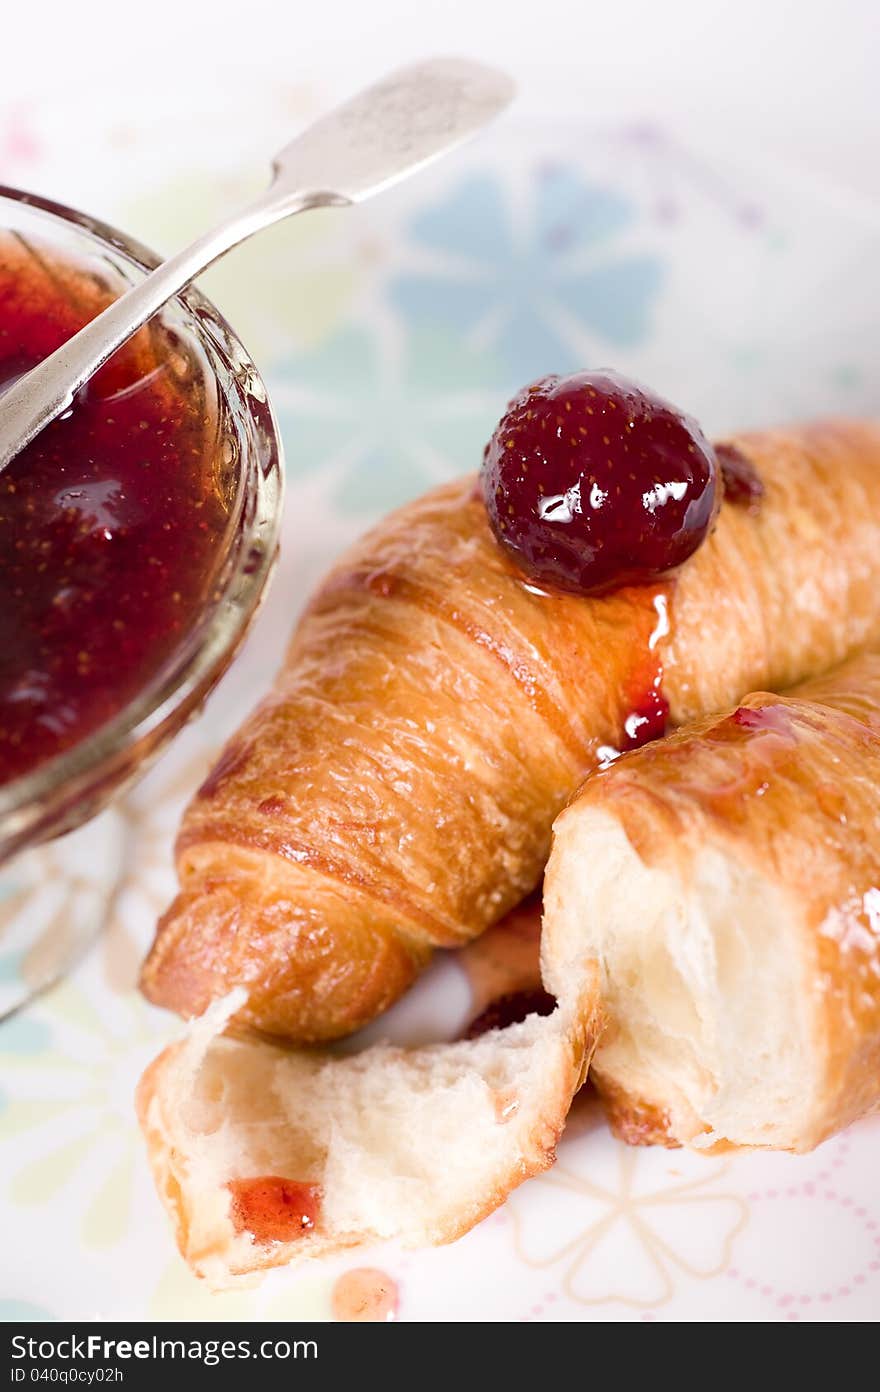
(395, 791)
(786, 788)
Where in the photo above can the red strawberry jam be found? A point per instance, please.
(110, 521)
(272, 1209)
(592, 482)
(648, 718)
(742, 486)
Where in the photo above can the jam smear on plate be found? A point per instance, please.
(273, 1209)
(365, 1294)
(111, 520)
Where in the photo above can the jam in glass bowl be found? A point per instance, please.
(137, 532)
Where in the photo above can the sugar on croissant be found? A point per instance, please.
(395, 791)
(711, 929)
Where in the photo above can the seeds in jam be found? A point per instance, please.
(592, 482)
(111, 520)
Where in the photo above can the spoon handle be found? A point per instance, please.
(49, 388)
(370, 142)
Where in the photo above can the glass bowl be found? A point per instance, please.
(71, 788)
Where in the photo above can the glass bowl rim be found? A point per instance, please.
(203, 652)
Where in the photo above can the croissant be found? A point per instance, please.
(711, 930)
(727, 881)
(265, 1156)
(396, 790)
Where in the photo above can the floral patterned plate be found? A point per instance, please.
(391, 339)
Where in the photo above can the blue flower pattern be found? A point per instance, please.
(23, 1033)
(495, 308)
(385, 425)
(23, 1311)
(519, 289)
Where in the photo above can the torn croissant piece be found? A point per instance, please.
(727, 880)
(711, 930)
(263, 1157)
(395, 791)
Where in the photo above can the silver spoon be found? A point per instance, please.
(380, 136)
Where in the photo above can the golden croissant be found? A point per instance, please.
(395, 792)
(711, 930)
(727, 881)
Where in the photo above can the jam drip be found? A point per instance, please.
(273, 1209)
(648, 717)
(111, 521)
(645, 709)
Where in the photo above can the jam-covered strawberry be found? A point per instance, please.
(592, 482)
